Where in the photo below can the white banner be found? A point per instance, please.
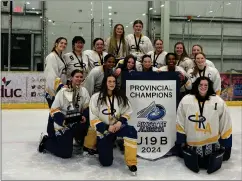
(154, 116)
(22, 87)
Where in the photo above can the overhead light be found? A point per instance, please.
(109, 18)
(91, 2)
(109, 14)
(150, 8)
(109, 7)
(40, 17)
(143, 14)
(162, 5)
(50, 20)
(27, 2)
(126, 26)
(37, 12)
(228, 3)
(91, 14)
(154, 11)
(91, 9)
(198, 16)
(210, 11)
(33, 8)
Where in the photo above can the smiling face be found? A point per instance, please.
(119, 30)
(195, 50)
(78, 46)
(138, 28)
(130, 64)
(147, 62)
(110, 63)
(179, 49)
(61, 46)
(200, 60)
(159, 46)
(203, 88)
(171, 63)
(77, 79)
(111, 83)
(99, 45)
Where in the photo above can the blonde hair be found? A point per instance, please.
(113, 42)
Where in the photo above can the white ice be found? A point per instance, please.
(20, 160)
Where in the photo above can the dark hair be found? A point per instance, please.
(108, 56)
(74, 72)
(145, 56)
(184, 54)
(126, 59)
(76, 39)
(119, 94)
(158, 40)
(167, 56)
(95, 40)
(195, 91)
(196, 69)
(138, 22)
(58, 41)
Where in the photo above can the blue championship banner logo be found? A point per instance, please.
(153, 97)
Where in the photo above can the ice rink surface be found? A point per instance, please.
(20, 160)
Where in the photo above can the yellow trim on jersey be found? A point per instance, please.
(227, 134)
(126, 116)
(94, 122)
(204, 142)
(179, 129)
(218, 92)
(53, 111)
(57, 83)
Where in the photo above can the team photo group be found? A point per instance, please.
(91, 112)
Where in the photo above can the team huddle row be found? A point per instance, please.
(85, 91)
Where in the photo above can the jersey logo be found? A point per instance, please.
(200, 126)
(215, 106)
(71, 57)
(96, 63)
(108, 111)
(79, 66)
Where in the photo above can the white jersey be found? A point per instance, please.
(210, 63)
(121, 53)
(186, 63)
(203, 128)
(102, 112)
(143, 46)
(93, 81)
(212, 74)
(188, 84)
(64, 102)
(76, 62)
(55, 73)
(94, 59)
(158, 60)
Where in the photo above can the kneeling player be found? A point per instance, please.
(204, 128)
(109, 114)
(69, 118)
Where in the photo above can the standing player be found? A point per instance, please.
(55, 70)
(182, 57)
(76, 59)
(199, 49)
(96, 56)
(69, 119)
(138, 43)
(204, 128)
(201, 70)
(158, 55)
(110, 111)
